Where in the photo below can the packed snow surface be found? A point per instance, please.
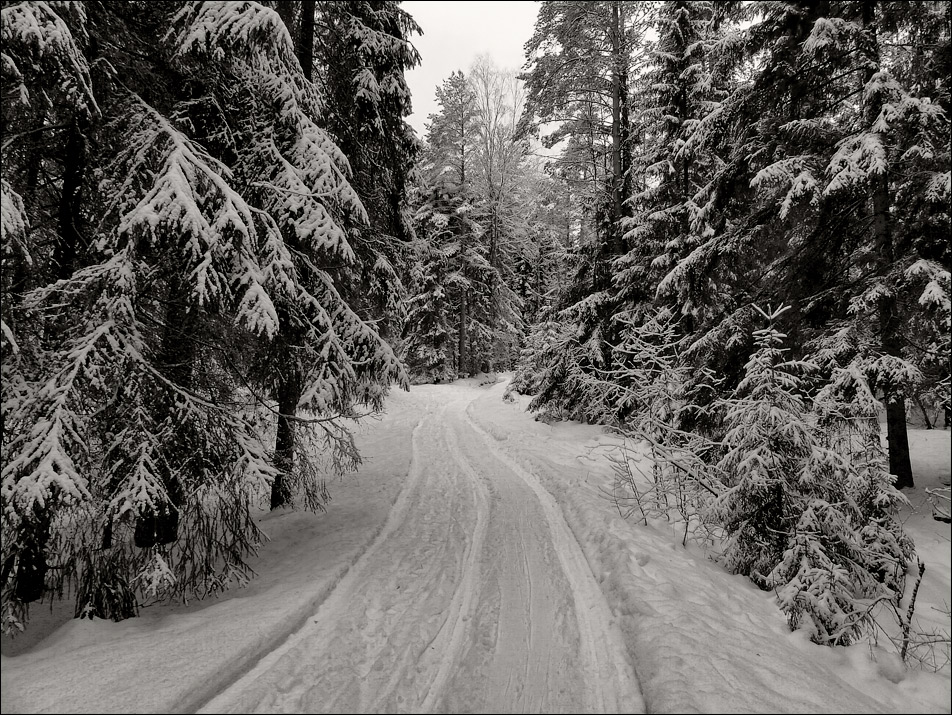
(476, 563)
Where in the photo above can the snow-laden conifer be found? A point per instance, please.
(328, 359)
(682, 88)
(367, 49)
(429, 347)
(786, 478)
(809, 507)
(211, 219)
(541, 343)
(42, 45)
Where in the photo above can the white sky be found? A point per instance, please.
(454, 34)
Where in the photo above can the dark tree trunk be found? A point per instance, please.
(889, 321)
(462, 334)
(177, 353)
(289, 393)
(617, 89)
(70, 241)
(305, 45)
(897, 438)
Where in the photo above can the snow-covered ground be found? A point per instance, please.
(474, 564)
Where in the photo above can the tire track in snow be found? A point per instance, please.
(463, 606)
(523, 654)
(372, 646)
(473, 596)
(616, 687)
(223, 702)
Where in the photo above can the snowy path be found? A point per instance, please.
(447, 575)
(474, 597)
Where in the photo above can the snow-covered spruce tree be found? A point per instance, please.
(893, 161)
(428, 347)
(535, 354)
(681, 85)
(362, 51)
(581, 62)
(809, 508)
(767, 448)
(326, 359)
(847, 413)
(447, 217)
(115, 445)
(755, 234)
(848, 550)
(570, 365)
(791, 210)
(130, 471)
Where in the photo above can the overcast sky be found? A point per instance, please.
(454, 34)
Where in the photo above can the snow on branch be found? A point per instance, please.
(47, 451)
(13, 220)
(940, 187)
(937, 280)
(349, 351)
(175, 197)
(796, 175)
(236, 34)
(830, 31)
(38, 40)
(298, 172)
(856, 159)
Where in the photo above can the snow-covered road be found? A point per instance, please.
(453, 572)
(474, 597)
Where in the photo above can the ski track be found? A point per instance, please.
(474, 597)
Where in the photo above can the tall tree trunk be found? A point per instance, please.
(305, 45)
(897, 437)
(289, 393)
(617, 89)
(463, 357)
(69, 241)
(177, 353)
(889, 322)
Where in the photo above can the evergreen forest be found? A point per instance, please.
(719, 229)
